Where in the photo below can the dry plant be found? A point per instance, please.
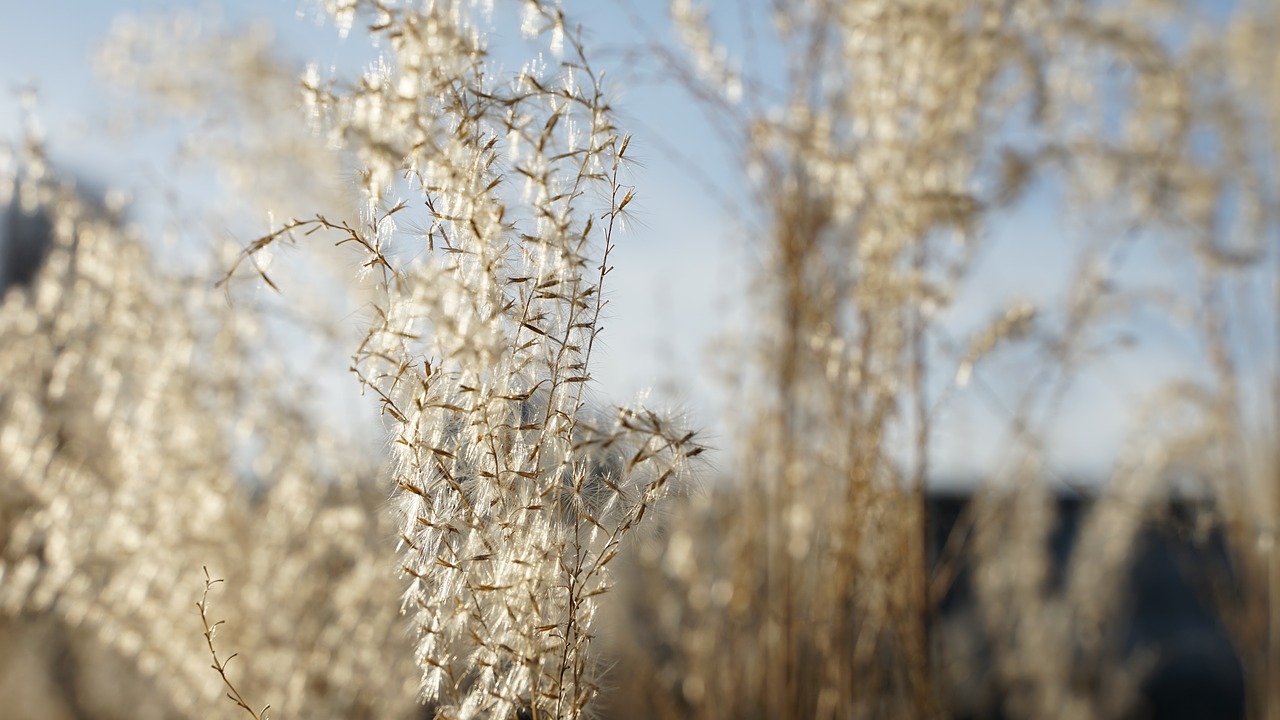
(514, 496)
(876, 160)
(149, 429)
(879, 157)
(220, 664)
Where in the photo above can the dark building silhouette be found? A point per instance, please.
(25, 239)
(1196, 673)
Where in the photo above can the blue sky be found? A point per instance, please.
(681, 268)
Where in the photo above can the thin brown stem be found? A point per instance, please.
(219, 664)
